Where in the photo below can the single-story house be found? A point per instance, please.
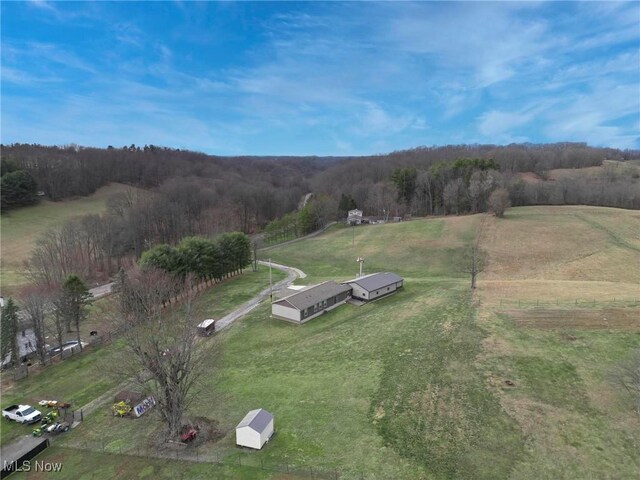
(374, 285)
(306, 304)
(255, 429)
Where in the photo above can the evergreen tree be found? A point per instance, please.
(18, 188)
(405, 181)
(9, 332)
(73, 305)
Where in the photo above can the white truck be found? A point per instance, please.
(22, 413)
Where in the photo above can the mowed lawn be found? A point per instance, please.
(20, 228)
(417, 249)
(386, 390)
(82, 378)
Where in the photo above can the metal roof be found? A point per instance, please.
(376, 281)
(206, 323)
(316, 294)
(256, 420)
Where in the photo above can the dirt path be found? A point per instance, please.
(292, 274)
(317, 232)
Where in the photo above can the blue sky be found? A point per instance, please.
(319, 78)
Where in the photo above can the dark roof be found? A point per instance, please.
(376, 281)
(18, 448)
(256, 419)
(316, 294)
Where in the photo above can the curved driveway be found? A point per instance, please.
(292, 274)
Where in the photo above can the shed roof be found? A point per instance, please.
(316, 294)
(256, 419)
(375, 281)
(206, 323)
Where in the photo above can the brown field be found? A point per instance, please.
(609, 167)
(559, 251)
(548, 318)
(574, 272)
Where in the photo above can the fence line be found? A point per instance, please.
(584, 303)
(22, 371)
(219, 460)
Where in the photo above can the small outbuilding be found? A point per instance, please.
(306, 304)
(206, 327)
(375, 285)
(255, 429)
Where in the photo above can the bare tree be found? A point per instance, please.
(453, 196)
(473, 262)
(57, 327)
(627, 375)
(499, 201)
(35, 299)
(161, 343)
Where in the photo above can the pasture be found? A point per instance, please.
(434, 381)
(560, 301)
(20, 228)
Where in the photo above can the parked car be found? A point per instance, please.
(22, 414)
(66, 346)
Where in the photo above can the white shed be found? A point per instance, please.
(255, 429)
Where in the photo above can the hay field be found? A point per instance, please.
(561, 254)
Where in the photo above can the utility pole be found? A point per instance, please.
(270, 283)
(255, 257)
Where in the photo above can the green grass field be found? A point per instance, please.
(20, 228)
(81, 378)
(361, 389)
(413, 386)
(86, 465)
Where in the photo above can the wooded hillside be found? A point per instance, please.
(256, 190)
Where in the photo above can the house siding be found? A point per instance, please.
(294, 315)
(331, 303)
(362, 293)
(286, 313)
(381, 292)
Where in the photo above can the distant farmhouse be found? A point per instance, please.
(375, 285)
(354, 217)
(303, 305)
(306, 304)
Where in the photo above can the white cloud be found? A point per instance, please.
(595, 116)
(381, 72)
(42, 4)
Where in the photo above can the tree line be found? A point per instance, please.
(17, 187)
(261, 189)
(317, 213)
(203, 258)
